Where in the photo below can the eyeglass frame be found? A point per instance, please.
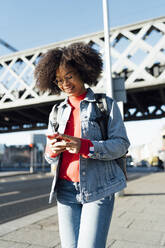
(66, 78)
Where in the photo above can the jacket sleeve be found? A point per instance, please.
(117, 143)
(48, 158)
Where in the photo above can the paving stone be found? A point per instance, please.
(10, 244)
(51, 224)
(126, 244)
(110, 242)
(34, 236)
(163, 240)
(156, 210)
(132, 235)
(142, 216)
(27, 220)
(149, 225)
(39, 246)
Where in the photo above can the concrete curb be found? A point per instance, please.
(27, 220)
(21, 173)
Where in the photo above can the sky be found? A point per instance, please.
(33, 23)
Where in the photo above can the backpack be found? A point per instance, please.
(102, 121)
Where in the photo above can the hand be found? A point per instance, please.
(72, 143)
(56, 143)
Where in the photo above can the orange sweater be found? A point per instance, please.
(69, 168)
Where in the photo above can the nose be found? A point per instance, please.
(66, 81)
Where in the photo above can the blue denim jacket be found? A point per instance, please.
(100, 175)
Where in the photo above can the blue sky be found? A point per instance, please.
(33, 23)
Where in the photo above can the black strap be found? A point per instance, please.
(54, 122)
(101, 102)
(103, 119)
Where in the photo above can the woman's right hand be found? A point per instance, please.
(56, 144)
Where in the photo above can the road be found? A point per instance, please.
(25, 194)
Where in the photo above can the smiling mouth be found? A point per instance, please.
(69, 88)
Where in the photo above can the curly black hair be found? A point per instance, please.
(82, 57)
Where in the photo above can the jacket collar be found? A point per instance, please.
(90, 97)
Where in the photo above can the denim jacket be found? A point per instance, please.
(100, 175)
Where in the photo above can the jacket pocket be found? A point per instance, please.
(92, 131)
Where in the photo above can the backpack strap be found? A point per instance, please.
(101, 102)
(103, 119)
(53, 119)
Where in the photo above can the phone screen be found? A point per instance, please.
(53, 136)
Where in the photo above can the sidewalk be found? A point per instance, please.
(138, 220)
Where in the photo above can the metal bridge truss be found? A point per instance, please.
(138, 55)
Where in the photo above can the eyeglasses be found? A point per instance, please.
(60, 82)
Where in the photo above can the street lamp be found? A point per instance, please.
(108, 74)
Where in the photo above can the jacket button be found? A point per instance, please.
(83, 173)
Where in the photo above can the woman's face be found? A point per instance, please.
(69, 81)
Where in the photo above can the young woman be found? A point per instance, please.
(87, 174)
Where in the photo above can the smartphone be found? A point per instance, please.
(53, 136)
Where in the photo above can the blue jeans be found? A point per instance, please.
(82, 225)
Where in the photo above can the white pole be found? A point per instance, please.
(108, 74)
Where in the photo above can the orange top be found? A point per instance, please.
(69, 168)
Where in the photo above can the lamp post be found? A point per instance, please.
(108, 74)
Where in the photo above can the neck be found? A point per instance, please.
(77, 99)
(82, 95)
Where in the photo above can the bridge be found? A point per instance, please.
(138, 56)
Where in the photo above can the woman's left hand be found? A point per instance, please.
(73, 144)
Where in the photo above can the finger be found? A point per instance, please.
(52, 142)
(59, 152)
(71, 150)
(52, 136)
(60, 143)
(68, 144)
(67, 137)
(58, 149)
